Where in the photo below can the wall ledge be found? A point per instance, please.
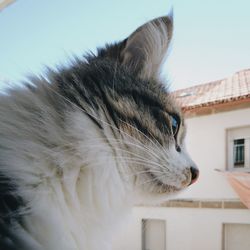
(214, 204)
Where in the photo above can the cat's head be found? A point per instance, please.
(151, 126)
(147, 129)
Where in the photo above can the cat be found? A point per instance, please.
(82, 145)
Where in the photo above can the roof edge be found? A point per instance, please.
(5, 3)
(215, 103)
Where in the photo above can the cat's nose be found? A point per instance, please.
(195, 174)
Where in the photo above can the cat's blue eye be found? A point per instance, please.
(175, 125)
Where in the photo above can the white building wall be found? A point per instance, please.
(186, 228)
(207, 144)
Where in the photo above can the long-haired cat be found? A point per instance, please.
(81, 146)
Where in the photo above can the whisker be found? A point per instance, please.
(84, 111)
(109, 125)
(144, 135)
(151, 180)
(104, 122)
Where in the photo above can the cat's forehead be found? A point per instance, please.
(168, 102)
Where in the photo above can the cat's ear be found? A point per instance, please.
(145, 49)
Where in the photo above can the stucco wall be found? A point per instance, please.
(186, 229)
(207, 144)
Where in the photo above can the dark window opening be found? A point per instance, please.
(239, 153)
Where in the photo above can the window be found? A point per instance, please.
(153, 234)
(238, 143)
(239, 152)
(236, 237)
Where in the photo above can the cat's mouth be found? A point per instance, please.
(160, 186)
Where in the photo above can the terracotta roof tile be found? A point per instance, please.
(230, 89)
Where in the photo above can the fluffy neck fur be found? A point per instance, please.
(75, 192)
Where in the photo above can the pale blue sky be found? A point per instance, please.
(211, 38)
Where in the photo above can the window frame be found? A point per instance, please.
(224, 231)
(238, 153)
(143, 231)
(233, 134)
